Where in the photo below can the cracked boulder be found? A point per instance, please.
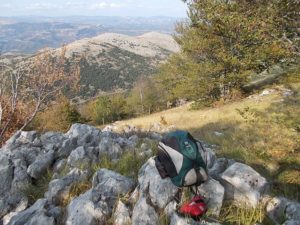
(144, 214)
(109, 185)
(276, 209)
(6, 173)
(36, 214)
(79, 158)
(213, 192)
(110, 148)
(59, 189)
(41, 164)
(160, 191)
(292, 211)
(84, 134)
(244, 185)
(122, 214)
(83, 211)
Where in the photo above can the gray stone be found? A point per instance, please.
(292, 211)
(144, 214)
(5, 208)
(122, 214)
(213, 192)
(133, 138)
(41, 164)
(134, 197)
(52, 140)
(29, 154)
(246, 184)
(78, 158)
(54, 211)
(108, 147)
(292, 222)
(11, 143)
(161, 191)
(6, 173)
(59, 189)
(22, 205)
(82, 211)
(219, 167)
(67, 147)
(59, 166)
(86, 135)
(36, 214)
(170, 208)
(27, 136)
(276, 209)
(108, 185)
(20, 177)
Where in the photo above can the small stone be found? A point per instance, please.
(144, 214)
(122, 215)
(213, 192)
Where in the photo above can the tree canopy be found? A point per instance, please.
(224, 42)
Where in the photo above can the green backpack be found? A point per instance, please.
(179, 157)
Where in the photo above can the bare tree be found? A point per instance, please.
(32, 85)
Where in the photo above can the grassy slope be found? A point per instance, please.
(263, 133)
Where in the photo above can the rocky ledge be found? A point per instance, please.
(112, 198)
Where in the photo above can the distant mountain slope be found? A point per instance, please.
(113, 62)
(30, 34)
(148, 45)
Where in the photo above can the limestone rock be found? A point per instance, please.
(219, 167)
(85, 134)
(245, 183)
(6, 173)
(27, 136)
(213, 192)
(122, 215)
(58, 189)
(22, 205)
(161, 191)
(82, 211)
(41, 164)
(144, 214)
(36, 214)
(292, 211)
(52, 140)
(276, 209)
(20, 176)
(110, 148)
(67, 147)
(78, 158)
(108, 185)
(291, 222)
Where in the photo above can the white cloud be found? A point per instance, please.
(43, 6)
(104, 5)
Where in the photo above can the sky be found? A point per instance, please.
(145, 8)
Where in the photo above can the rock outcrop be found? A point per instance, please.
(75, 158)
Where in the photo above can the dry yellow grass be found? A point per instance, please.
(263, 132)
(183, 118)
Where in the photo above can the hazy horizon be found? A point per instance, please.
(120, 8)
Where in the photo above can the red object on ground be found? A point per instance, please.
(194, 208)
